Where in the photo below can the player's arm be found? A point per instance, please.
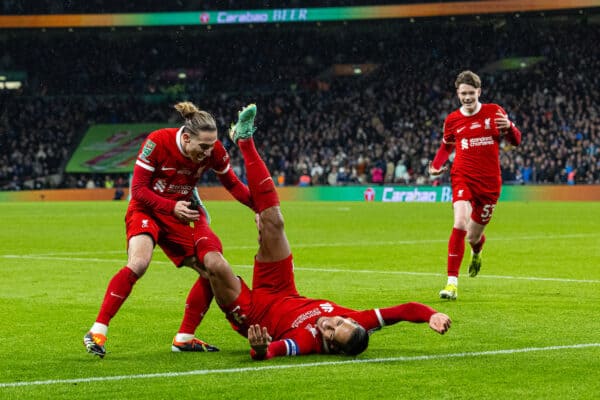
(140, 191)
(227, 177)
(415, 312)
(235, 186)
(264, 348)
(437, 167)
(507, 128)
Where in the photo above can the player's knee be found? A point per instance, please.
(138, 265)
(271, 220)
(215, 264)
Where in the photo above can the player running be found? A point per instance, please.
(164, 202)
(275, 318)
(475, 131)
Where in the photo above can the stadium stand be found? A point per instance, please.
(381, 125)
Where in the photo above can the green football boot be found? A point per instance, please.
(244, 127)
(475, 264)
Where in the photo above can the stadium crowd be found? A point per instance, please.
(323, 126)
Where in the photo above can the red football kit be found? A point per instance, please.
(475, 173)
(162, 176)
(291, 319)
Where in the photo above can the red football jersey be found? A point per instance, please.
(476, 141)
(174, 176)
(293, 320)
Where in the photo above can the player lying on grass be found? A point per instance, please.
(275, 318)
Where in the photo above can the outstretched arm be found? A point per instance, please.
(236, 187)
(413, 312)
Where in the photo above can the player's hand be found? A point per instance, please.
(435, 171)
(184, 213)
(259, 339)
(502, 122)
(440, 322)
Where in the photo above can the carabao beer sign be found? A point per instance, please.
(426, 195)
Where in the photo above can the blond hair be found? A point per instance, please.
(196, 121)
(468, 78)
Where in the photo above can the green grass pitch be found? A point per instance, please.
(526, 328)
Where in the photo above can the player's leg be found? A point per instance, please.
(483, 209)
(274, 245)
(456, 248)
(139, 255)
(194, 243)
(476, 239)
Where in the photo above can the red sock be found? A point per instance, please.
(117, 292)
(456, 251)
(477, 247)
(196, 306)
(260, 183)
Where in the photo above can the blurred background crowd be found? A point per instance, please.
(339, 103)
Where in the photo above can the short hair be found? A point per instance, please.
(196, 121)
(468, 78)
(358, 342)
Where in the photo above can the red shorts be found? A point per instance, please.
(177, 239)
(483, 200)
(270, 282)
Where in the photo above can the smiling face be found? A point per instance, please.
(468, 96)
(198, 147)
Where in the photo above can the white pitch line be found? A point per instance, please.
(294, 366)
(311, 269)
(350, 244)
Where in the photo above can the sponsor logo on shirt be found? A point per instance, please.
(304, 316)
(459, 130)
(160, 185)
(464, 144)
(481, 141)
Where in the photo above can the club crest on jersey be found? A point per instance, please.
(147, 150)
(487, 123)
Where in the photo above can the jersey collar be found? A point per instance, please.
(178, 140)
(477, 109)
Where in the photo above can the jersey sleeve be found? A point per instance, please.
(377, 318)
(140, 191)
(228, 178)
(513, 135)
(145, 165)
(220, 159)
(300, 342)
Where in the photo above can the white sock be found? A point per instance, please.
(184, 337)
(453, 280)
(99, 328)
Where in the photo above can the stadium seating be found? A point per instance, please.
(314, 116)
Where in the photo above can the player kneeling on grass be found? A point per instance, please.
(275, 318)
